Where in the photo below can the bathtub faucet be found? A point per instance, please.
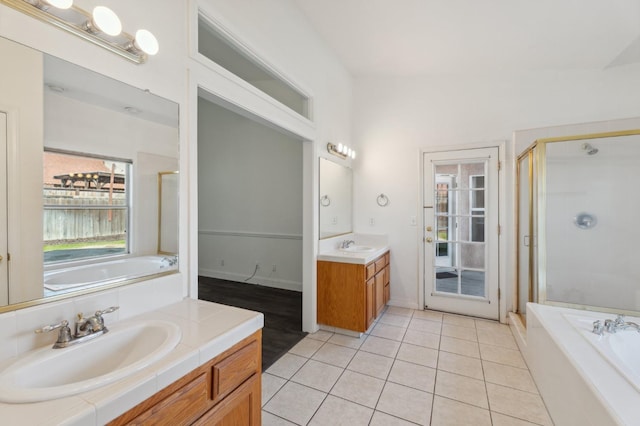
(613, 326)
(171, 261)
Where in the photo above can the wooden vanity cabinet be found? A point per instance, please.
(224, 391)
(352, 296)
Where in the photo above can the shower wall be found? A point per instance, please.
(596, 264)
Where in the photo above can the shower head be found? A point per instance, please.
(589, 149)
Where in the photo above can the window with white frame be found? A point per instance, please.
(86, 206)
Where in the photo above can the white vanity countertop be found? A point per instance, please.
(208, 329)
(359, 258)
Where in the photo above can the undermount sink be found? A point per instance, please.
(358, 249)
(47, 373)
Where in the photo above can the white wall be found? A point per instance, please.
(394, 118)
(250, 200)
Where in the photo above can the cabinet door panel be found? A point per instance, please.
(371, 301)
(379, 285)
(240, 408)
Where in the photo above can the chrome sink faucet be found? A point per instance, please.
(347, 243)
(85, 329)
(170, 261)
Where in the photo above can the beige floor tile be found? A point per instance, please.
(339, 412)
(453, 413)
(286, 366)
(371, 364)
(269, 419)
(428, 315)
(295, 403)
(318, 375)
(358, 388)
(519, 404)
(459, 332)
(502, 420)
(459, 346)
(406, 403)
(395, 310)
(380, 346)
(502, 355)
(306, 347)
(383, 419)
(462, 388)
(418, 355)
(322, 335)
(397, 320)
(348, 341)
(459, 320)
(413, 375)
(388, 332)
(505, 375)
(334, 355)
(497, 338)
(270, 385)
(425, 326)
(460, 364)
(428, 340)
(492, 326)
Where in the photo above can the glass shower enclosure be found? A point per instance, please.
(577, 236)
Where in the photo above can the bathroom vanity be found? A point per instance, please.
(353, 288)
(211, 376)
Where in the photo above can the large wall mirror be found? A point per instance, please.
(80, 208)
(336, 183)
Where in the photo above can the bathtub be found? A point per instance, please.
(584, 378)
(95, 274)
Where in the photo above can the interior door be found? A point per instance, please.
(461, 217)
(4, 269)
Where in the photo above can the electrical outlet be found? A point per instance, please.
(222, 262)
(273, 268)
(412, 221)
(372, 222)
(257, 266)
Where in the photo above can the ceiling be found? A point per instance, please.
(420, 37)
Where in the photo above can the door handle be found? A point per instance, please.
(428, 239)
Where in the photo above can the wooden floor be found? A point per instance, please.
(282, 311)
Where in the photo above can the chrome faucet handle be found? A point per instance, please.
(620, 320)
(63, 337)
(598, 327)
(47, 328)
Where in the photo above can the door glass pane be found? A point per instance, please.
(460, 228)
(472, 283)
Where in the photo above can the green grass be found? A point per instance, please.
(84, 245)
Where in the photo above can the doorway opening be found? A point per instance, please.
(250, 220)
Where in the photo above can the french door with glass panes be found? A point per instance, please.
(461, 231)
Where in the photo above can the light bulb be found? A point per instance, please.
(339, 147)
(349, 151)
(353, 154)
(107, 21)
(146, 42)
(344, 149)
(60, 4)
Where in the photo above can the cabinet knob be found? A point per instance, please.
(428, 239)
(429, 229)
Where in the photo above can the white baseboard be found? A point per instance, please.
(257, 280)
(404, 304)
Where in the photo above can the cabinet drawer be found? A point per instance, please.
(371, 270)
(232, 371)
(380, 264)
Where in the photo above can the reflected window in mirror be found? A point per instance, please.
(86, 206)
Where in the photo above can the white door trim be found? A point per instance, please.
(502, 212)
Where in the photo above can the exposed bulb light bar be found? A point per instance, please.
(102, 27)
(341, 150)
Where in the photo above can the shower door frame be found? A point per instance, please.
(541, 169)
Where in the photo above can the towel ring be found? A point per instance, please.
(325, 201)
(382, 200)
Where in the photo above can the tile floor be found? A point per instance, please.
(415, 367)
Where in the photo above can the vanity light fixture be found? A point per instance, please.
(341, 150)
(101, 27)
